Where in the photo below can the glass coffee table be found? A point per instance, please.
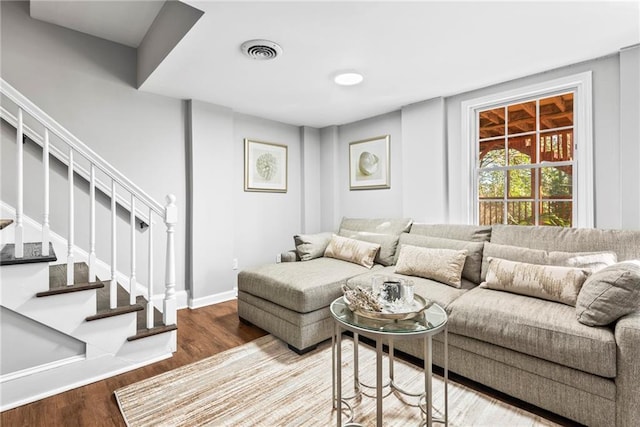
(423, 326)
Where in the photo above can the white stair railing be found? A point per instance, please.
(149, 207)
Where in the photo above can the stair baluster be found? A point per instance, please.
(70, 240)
(132, 279)
(150, 278)
(19, 244)
(92, 224)
(113, 286)
(45, 215)
(170, 306)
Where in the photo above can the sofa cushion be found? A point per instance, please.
(591, 260)
(473, 262)
(544, 329)
(441, 294)
(300, 286)
(388, 244)
(625, 243)
(470, 233)
(443, 265)
(550, 282)
(311, 246)
(610, 294)
(377, 225)
(352, 250)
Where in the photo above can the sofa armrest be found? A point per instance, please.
(289, 256)
(627, 333)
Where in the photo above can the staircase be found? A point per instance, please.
(58, 289)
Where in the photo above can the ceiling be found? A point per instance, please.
(407, 51)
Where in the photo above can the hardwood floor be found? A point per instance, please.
(202, 333)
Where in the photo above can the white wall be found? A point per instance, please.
(227, 222)
(371, 203)
(630, 136)
(25, 343)
(265, 222)
(88, 85)
(424, 162)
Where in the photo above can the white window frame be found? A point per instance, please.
(583, 180)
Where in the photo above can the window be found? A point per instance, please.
(525, 170)
(530, 155)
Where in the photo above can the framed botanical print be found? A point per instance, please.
(265, 166)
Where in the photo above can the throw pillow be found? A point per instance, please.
(352, 250)
(594, 261)
(610, 294)
(311, 246)
(388, 244)
(591, 260)
(550, 282)
(473, 262)
(443, 265)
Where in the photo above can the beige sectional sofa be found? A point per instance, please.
(530, 348)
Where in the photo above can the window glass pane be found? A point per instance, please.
(492, 153)
(491, 123)
(522, 150)
(556, 183)
(556, 146)
(522, 117)
(520, 213)
(491, 213)
(520, 183)
(491, 185)
(557, 213)
(556, 111)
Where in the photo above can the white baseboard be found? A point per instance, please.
(213, 299)
(61, 380)
(40, 368)
(182, 298)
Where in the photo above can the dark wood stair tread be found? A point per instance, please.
(144, 333)
(110, 312)
(58, 285)
(5, 223)
(77, 287)
(32, 254)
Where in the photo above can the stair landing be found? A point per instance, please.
(32, 254)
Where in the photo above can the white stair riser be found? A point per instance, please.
(21, 282)
(140, 350)
(106, 335)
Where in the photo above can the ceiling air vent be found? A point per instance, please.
(261, 49)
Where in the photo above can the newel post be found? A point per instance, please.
(170, 306)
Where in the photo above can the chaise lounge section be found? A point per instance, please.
(531, 348)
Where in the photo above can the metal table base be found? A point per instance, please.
(427, 395)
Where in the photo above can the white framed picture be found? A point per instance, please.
(265, 166)
(369, 164)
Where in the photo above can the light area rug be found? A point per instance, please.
(263, 383)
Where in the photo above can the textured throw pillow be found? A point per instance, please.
(609, 294)
(591, 260)
(311, 246)
(594, 261)
(443, 265)
(550, 282)
(388, 244)
(473, 262)
(355, 251)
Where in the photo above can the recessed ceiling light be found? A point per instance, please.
(348, 79)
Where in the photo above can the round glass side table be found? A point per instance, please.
(423, 326)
